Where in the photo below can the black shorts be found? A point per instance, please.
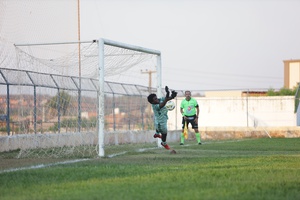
(190, 119)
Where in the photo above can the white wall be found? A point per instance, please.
(240, 112)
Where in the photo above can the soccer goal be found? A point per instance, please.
(78, 98)
(107, 64)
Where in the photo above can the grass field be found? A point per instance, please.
(245, 169)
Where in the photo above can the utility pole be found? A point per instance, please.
(148, 107)
(150, 78)
(79, 66)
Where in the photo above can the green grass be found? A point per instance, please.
(246, 169)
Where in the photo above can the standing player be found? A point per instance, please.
(189, 109)
(161, 115)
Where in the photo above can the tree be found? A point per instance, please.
(282, 92)
(64, 102)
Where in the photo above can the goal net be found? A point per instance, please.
(78, 99)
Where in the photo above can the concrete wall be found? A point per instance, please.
(275, 111)
(37, 141)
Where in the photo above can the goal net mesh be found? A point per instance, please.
(53, 92)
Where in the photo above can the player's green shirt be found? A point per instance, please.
(160, 114)
(189, 107)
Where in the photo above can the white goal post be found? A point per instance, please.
(101, 43)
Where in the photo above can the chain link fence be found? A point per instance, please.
(33, 102)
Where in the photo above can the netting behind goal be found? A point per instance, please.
(78, 98)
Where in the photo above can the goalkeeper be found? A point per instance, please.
(189, 109)
(161, 115)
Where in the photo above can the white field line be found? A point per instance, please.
(42, 165)
(109, 156)
(217, 142)
(137, 150)
(228, 141)
(117, 154)
(66, 162)
(146, 149)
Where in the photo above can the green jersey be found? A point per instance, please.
(189, 107)
(160, 114)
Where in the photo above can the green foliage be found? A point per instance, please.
(281, 92)
(62, 104)
(249, 169)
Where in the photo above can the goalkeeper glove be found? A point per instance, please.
(167, 92)
(174, 94)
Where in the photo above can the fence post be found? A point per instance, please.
(247, 108)
(8, 110)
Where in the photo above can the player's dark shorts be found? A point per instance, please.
(190, 119)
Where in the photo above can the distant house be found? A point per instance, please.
(235, 93)
(291, 73)
(254, 93)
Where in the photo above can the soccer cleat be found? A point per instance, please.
(157, 135)
(181, 144)
(199, 143)
(165, 145)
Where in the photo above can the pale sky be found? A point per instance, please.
(205, 44)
